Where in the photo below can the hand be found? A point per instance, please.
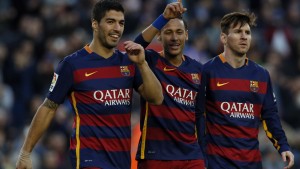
(135, 52)
(290, 156)
(24, 161)
(174, 10)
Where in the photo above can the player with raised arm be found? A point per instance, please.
(169, 131)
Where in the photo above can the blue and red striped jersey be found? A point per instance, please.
(168, 131)
(100, 91)
(237, 102)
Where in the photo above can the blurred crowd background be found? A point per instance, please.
(36, 34)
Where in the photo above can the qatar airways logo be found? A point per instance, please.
(113, 97)
(181, 95)
(238, 110)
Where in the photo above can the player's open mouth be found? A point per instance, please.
(174, 46)
(115, 36)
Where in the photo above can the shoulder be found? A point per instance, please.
(82, 53)
(211, 63)
(193, 62)
(257, 67)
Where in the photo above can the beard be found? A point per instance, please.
(106, 42)
(238, 52)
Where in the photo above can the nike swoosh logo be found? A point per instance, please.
(221, 84)
(167, 69)
(89, 74)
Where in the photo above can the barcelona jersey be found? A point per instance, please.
(100, 91)
(169, 130)
(237, 102)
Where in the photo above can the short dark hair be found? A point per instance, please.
(184, 22)
(235, 18)
(102, 6)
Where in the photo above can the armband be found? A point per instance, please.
(160, 22)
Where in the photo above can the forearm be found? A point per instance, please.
(151, 89)
(151, 31)
(39, 125)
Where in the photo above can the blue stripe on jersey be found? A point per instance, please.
(113, 160)
(254, 98)
(154, 149)
(171, 124)
(104, 132)
(113, 109)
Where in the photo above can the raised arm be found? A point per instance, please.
(39, 125)
(172, 10)
(151, 88)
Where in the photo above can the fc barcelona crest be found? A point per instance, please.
(125, 71)
(254, 86)
(195, 78)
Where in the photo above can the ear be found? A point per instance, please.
(186, 35)
(94, 25)
(223, 38)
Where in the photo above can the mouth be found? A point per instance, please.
(244, 45)
(114, 36)
(174, 46)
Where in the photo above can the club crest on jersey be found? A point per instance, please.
(254, 86)
(195, 78)
(125, 71)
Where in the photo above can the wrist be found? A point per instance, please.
(160, 22)
(142, 64)
(24, 153)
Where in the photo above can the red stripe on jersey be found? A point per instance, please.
(235, 154)
(227, 108)
(233, 132)
(81, 75)
(164, 134)
(171, 113)
(115, 120)
(108, 144)
(237, 85)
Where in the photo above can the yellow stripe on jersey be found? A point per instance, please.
(144, 133)
(270, 136)
(77, 131)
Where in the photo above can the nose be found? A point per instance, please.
(174, 36)
(118, 27)
(244, 35)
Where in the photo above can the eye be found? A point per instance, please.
(122, 23)
(110, 21)
(180, 32)
(167, 32)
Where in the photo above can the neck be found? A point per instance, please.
(234, 60)
(176, 61)
(100, 49)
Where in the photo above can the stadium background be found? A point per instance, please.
(36, 34)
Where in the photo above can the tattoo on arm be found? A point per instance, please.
(50, 104)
